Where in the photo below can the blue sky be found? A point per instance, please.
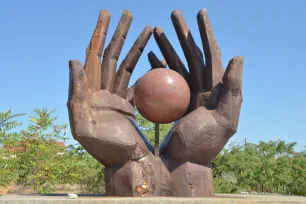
(38, 38)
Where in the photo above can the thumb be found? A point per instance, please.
(228, 109)
(232, 78)
(77, 81)
(78, 109)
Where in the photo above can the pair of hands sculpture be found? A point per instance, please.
(101, 110)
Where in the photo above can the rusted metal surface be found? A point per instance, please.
(101, 115)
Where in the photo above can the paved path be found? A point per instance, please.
(85, 199)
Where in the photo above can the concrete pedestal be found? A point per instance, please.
(84, 199)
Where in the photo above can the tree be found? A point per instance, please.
(8, 123)
(82, 169)
(270, 167)
(42, 126)
(42, 164)
(38, 157)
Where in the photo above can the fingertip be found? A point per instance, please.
(239, 58)
(236, 62)
(158, 31)
(155, 62)
(127, 13)
(104, 13)
(232, 77)
(175, 13)
(202, 13)
(75, 63)
(148, 28)
(150, 54)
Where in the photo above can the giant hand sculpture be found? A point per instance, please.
(101, 111)
(216, 96)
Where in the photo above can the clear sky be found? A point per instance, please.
(38, 38)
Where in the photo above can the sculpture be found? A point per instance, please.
(101, 111)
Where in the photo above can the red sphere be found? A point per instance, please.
(162, 95)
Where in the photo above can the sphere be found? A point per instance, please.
(162, 95)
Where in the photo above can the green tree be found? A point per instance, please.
(42, 126)
(79, 167)
(39, 153)
(8, 122)
(270, 167)
(297, 183)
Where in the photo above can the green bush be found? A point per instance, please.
(269, 167)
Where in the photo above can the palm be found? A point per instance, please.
(216, 97)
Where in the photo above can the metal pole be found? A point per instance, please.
(156, 151)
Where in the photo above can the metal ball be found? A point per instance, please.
(162, 95)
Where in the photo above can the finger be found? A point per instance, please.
(77, 82)
(233, 75)
(230, 101)
(112, 52)
(201, 53)
(164, 62)
(94, 51)
(191, 52)
(128, 64)
(78, 109)
(173, 60)
(155, 62)
(130, 95)
(214, 70)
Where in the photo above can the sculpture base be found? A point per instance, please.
(87, 199)
(159, 176)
